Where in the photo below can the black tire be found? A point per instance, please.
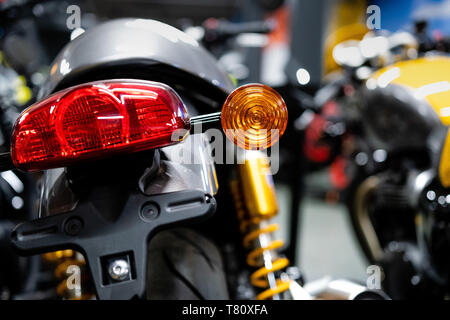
(184, 265)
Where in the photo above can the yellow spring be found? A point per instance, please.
(259, 277)
(70, 269)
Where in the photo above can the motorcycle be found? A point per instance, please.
(392, 102)
(120, 210)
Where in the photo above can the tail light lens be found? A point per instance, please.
(97, 119)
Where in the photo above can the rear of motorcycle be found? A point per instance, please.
(108, 133)
(113, 194)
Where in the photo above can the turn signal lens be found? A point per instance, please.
(96, 120)
(254, 117)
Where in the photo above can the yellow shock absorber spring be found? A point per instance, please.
(255, 258)
(70, 269)
(252, 225)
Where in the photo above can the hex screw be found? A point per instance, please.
(150, 211)
(119, 270)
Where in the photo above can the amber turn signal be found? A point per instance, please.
(254, 116)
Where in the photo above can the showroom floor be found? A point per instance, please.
(328, 245)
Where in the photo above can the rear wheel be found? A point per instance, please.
(184, 265)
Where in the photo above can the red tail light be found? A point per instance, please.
(97, 119)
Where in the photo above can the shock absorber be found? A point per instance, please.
(70, 270)
(256, 205)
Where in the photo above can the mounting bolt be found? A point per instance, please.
(150, 211)
(119, 270)
(73, 226)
